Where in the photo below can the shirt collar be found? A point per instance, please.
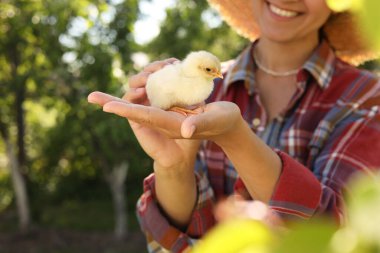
(320, 66)
(241, 70)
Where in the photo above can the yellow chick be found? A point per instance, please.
(183, 84)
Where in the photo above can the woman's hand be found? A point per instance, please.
(137, 93)
(157, 131)
(157, 135)
(235, 207)
(217, 120)
(161, 133)
(170, 139)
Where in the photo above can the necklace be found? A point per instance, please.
(272, 72)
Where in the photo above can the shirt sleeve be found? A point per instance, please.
(351, 149)
(318, 189)
(160, 234)
(298, 193)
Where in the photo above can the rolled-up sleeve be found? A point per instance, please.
(298, 192)
(160, 233)
(318, 189)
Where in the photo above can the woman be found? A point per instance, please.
(313, 121)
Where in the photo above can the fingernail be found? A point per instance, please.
(192, 130)
(106, 108)
(90, 99)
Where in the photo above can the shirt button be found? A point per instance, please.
(256, 122)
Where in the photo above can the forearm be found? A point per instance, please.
(176, 192)
(257, 164)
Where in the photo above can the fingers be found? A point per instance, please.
(189, 126)
(139, 80)
(233, 208)
(217, 119)
(148, 116)
(201, 124)
(137, 93)
(154, 66)
(101, 98)
(136, 96)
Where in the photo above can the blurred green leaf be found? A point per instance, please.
(311, 237)
(237, 236)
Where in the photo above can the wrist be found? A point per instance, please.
(177, 172)
(232, 137)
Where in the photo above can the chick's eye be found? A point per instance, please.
(208, 69)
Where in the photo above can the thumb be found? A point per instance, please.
(199, 123)
(188, 127)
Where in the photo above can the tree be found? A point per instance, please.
(190, 26)
(23, 56)
(53, 63)
(89, 139)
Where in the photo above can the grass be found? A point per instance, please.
(72, 226)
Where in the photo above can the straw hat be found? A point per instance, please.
(340, 30)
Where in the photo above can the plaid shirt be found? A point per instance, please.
(330, 130)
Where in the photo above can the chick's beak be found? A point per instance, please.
(217, 74)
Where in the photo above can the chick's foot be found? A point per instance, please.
(186, 112)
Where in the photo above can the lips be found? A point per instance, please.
(281, 12)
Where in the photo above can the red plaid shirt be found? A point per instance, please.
(329, 131)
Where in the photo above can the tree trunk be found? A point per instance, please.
(116, 180)
(20, 123)
(18, 182)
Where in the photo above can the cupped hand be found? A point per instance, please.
(158, 131)
(168, 137)
(217, 121)
(235, 207)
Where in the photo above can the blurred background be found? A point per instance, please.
(70, 174)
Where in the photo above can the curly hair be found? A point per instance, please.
(349, 43)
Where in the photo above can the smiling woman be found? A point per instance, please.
(288, 126)
(290, 21)
(355, 52)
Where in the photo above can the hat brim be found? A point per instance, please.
(341, 30)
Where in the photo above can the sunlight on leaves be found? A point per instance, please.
(343, 5)
(367, 11)
(237, 236)
(364, 209)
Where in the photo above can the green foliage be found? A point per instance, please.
(368, 14)
(307, 237)
(359, 235)
(67, 141)
(367, 11)
(79, 215)
(52, 54)
(186, 29)
(6, 194)
(237, 236)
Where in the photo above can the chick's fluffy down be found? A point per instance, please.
(170, 87)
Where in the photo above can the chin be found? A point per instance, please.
(278, 36)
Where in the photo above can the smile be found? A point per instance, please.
(282, 12)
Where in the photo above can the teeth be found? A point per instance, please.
(281, 12)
